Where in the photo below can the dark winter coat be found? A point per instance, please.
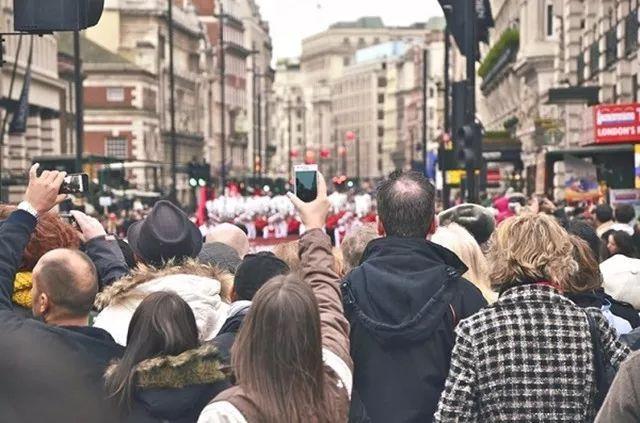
(599, 298)
(175, 389)
(49, 372)
(226, 337)
(403, 303)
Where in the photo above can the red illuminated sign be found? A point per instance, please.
(616, 123)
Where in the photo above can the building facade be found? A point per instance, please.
(138, 31)
(288, 118)
(325, 61)
(549, 62)
(46, 92)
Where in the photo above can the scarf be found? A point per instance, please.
(22, 290)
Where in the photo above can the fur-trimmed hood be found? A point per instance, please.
(194, 367)
(176, 388)
(119, 289)
(199, 285)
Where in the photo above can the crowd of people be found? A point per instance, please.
(381, 309)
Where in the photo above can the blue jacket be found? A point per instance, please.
(51, 373)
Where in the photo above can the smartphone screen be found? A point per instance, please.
(75, 183)
(307, 185)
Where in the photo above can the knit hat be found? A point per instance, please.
(254, 271)
(220, 255)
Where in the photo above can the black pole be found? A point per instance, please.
(446, 190)
(172, 110)
(290, 144)
(254, 95)
(267, 129)
(358, 156)
(259, 134)
(6, 113)
(425, 82)
(471, 54)
(223, 137)
(77, 77)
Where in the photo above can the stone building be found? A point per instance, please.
(138, 32)
(43, 132)
(325, 59)
(548, 62)
(288, 117)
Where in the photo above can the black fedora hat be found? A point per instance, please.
(166, 233)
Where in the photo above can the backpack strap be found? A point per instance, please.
(454, 315)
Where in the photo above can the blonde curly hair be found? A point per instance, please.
(530, 247)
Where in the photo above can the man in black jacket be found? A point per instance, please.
(403, 303)
(51, 368)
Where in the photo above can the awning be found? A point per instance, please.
(588, 95)
(591, 150)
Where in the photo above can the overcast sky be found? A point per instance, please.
(293, 20)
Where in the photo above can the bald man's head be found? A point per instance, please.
(406, 205)
(65, 283)
(230, 235)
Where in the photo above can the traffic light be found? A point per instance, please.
(42, 16)
(199, 174)
(469, 146)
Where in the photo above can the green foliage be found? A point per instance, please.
(497, 135)
(509, 39)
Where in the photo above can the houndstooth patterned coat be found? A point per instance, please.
(526, 358)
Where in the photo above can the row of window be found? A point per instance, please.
(611, 44)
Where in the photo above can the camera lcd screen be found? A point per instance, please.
(74, 184)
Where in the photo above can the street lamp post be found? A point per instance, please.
(172, 108)
(290, 161)
(223, 138)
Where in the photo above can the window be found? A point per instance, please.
(634, 88)
(580, 68)
(346, 60)
(380, 114)
(631, 33)
(380, 131)
(361, 42)
(299, 128)
(594, 58)
(298, 114)
(380, 98)
(382, 81)
(611, 52)
(549, 20)
(115, 95)
(615, 93)
(431, 92)
(379, 165)
(380, 148)
(161, 46)
(117, 148)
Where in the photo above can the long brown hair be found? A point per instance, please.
(588, 276)
(163, 324)
(277, 356)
